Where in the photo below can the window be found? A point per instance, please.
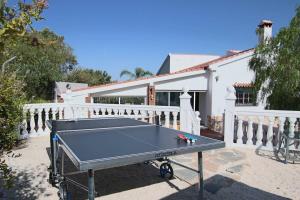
(245, 96)
(121, 100)
(174, 99)
(162, 98)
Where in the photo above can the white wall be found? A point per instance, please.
(197, 82)
(228, 72)
(136, 91)
(177, 62)
(183, 61)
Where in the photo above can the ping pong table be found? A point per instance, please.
(102, 143)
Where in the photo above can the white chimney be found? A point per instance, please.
(264, 30)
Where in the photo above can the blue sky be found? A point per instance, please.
(113, 35)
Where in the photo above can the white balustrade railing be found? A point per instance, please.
(35, 115)
(257, 128)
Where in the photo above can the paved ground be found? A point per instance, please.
(229, 174)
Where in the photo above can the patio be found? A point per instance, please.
(230, 173)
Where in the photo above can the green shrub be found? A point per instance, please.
(11, 111)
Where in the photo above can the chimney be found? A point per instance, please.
(264, 30)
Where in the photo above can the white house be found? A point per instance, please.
(205, 76)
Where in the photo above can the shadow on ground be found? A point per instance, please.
(125, 178)
(29, 184)
(110, 181)
(221, 187)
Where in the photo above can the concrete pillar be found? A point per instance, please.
(185, 105)
(151, 94)
(229, 116)
(88, 99)
(68, 110)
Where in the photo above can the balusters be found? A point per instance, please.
(175, 120)
(97, 111)
(150, 112)
(24, 131)
(292, 121)
(60, 113)
(121, 112)
(250, 132)
(240, 131)
(103, 110)
(280, 129)
(259, 134)
(167, 119)
(47, 130)
(158, 113)
(269, 143)
(143, 114)
(32, 122)
(109, 111)
(40, 121)
(53, 112)
(136, 114)
(91, 113)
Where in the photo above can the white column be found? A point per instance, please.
(52, 113)
(60, 111)
(229, 116)
(259, 134)
(136, 114)
(40, 121)
(167, 119)
(281, 128)
(25, 132)
(240, 131)
(158, 113)
(185, 123)
(69, 110)
(47, 130)
(175, 120)
(292, 121)
(151, 113)
(250, 132)
(270, 133)
(196, 126)
(32, 122)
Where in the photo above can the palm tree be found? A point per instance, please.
(138, 73)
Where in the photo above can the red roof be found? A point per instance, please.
(202, 66)
(243, 85)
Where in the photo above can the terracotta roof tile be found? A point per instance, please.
(243, 85)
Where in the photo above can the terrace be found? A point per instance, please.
(248, 168)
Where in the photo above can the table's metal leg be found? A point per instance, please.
(91, 184)
(200, 174)
(62, 162)
(54, 156)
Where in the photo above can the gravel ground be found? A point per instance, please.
(230, 173)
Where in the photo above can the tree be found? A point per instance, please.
(276, 63)
(42, 57)
(89, 76)
(138, 73)
(14, 23)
